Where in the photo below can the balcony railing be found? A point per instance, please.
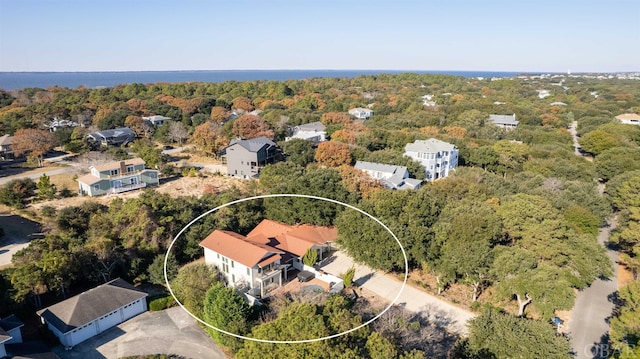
(125, 188)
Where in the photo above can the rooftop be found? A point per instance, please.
(504, 119)
(628, 116)
(380, 167)
(90, 305)
(431, 145)
(114, 165)
(313, 126)
(254, 144)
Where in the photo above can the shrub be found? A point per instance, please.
(161, 302)
(348, 276)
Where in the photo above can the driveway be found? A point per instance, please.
(18, 232)
(170, 331)
(413, 299)
(588, 324)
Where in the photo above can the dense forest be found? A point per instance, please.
(515, 225)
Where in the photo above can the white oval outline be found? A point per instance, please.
(404, 282)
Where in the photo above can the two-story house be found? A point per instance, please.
(156, 120)
(504, 121)
(391, 176)
(314, 131)
(260, 261)
(245, 158)
(437, 157)
(361, 113)
(116, 177)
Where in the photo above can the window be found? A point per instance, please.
(96, 187)
(232, 264)
(218, 254)
(233, 278)
(114, 172)
(225, 267)
(130, 168)
(248, 271)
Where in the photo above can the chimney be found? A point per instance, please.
(122, 168)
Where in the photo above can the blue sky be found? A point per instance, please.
(499, 35)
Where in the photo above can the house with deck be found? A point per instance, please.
(117, 177)
(314, 132)
(90, 313)
(504, 121)
(438, 158)
(261, 260)
(391, 176)
(156, 120)
(245, 158)
(115, 137)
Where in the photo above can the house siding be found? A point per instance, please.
(239, 162)
(235, 274)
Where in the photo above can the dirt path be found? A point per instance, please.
(18, 232)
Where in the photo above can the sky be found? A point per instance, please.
(150, 35)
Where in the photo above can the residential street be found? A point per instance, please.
(589, 325)
(413, 299)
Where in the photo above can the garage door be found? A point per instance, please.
(84, 334)
(109, 321)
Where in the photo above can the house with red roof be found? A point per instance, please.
(261, 260)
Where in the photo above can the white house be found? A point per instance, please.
(92, 312)
(543, 93)
(361, 113)
(504, 121)
(629, 118)
(437, 157)
(9, 332)
(394, 177)
(260, 261)
(314, 131)
(156, 120)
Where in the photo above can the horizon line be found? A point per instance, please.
(320, 69)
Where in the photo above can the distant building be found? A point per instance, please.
(504, 121)
(5, 147)
(156, 120)
(117, 177)
(92, 312)
(116, 137)
(361, 113)
(629, 118)
(245, 158)
(391, 176)
(543, 93)
(558, 104)
(437, 157)
(56, 124)
(9, 333)
(314, 131)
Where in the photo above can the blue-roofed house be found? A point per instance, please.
(245, 158)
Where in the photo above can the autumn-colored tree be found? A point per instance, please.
(333, 154)
(344, 136)
(429, 130)
(34, 143)
(359, 181)
(219, 114)
(137, 106)
(455, 131)
(251, 126)
(101, 114)
(335, 118)
(549, 119)
(242, 103)
(207, 139)
(139, 126)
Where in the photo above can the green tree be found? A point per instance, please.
(191, 285)
(299, 151)
(598, 141)
(625, 330)
(225, 309)
(16, 192)
(615, 161)
(156, 269)
(310, 257)
(379, 347)
(348, 276)
(500, 335)
(46, 189)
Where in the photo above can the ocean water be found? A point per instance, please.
(18, 80)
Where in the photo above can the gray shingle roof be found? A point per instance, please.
(6, 140)
(254, 144)
(504, 119)
(90, 305)
(313, 126)
(431, 145)
(380, 167)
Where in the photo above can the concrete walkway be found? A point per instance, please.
(388, 287)
(170, 331)
(588, 325)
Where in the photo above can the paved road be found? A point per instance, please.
(413, 299)
(18, 232)
(170, 331)
(588, 323)
(35, 176)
